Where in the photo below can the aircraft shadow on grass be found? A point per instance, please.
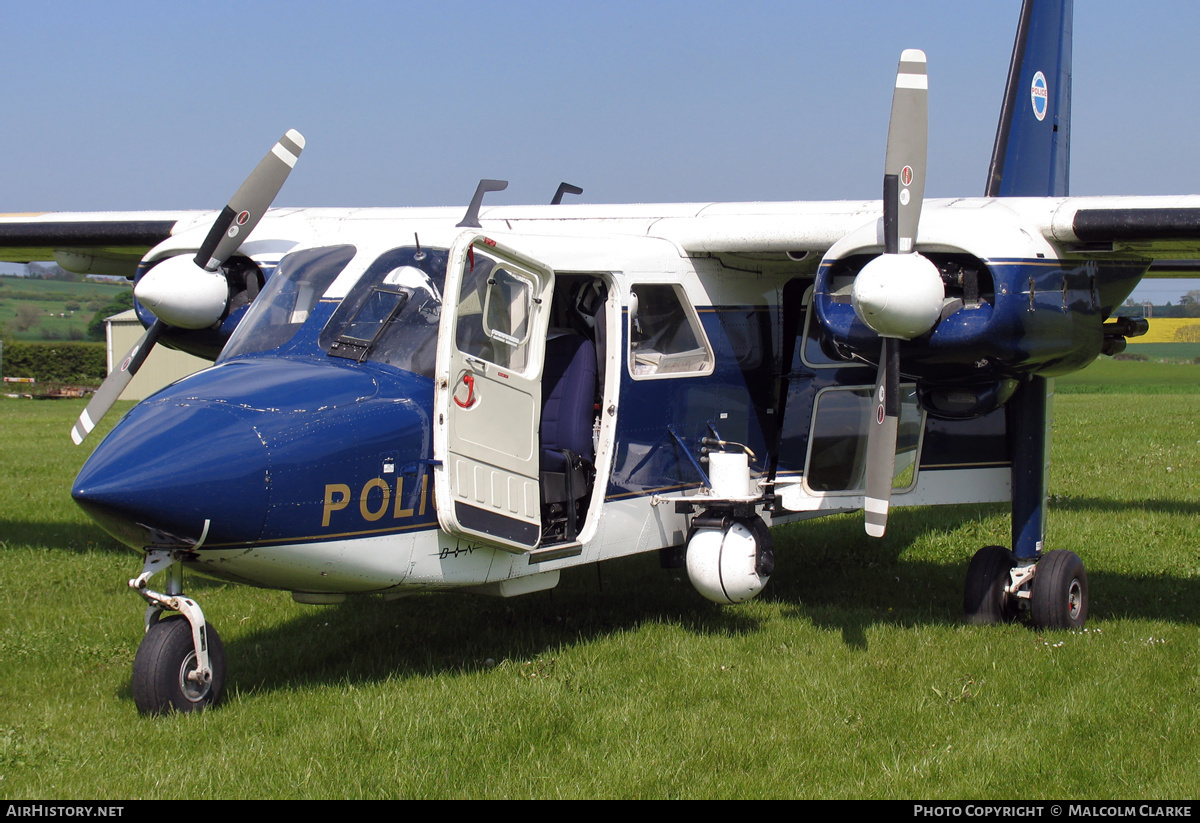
(72, 537)
(848, 589)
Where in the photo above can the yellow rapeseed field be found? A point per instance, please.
(1171, 330)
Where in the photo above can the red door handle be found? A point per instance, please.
(469, 379)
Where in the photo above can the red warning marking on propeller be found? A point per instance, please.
(906, 175)
(242, 218)
(879, 414)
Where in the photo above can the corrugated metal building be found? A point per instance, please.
(162, 368)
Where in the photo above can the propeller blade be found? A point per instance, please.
(908, 138)
(115, 383)
(250, 202)
(881, 438)
(899, 295)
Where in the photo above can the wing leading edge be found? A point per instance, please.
(87, 243)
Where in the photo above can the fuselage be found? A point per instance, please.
(307, 458)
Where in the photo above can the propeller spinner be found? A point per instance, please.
(192, 293)
(899, 294)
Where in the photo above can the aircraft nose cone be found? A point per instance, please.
(171, 465)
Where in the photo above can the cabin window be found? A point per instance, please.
(665, 336)
(391, 314)
(837, 445)
(507, 307)
(285, 302)
(495, 312)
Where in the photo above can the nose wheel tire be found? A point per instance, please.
(984, 598)
(1059, 597)
(164, 661)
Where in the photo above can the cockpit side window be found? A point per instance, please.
(289, 296)
(665, 336)
(391, 315)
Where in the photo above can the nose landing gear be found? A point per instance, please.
(180, 664)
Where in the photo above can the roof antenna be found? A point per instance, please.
(471, 218)
(564, 188)
(420, 255)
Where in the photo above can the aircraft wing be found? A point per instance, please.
(1161, 229)
(766, 228)
(86, 242)
(1165, 230)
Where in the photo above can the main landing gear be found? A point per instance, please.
(1054, 589)
(180, 665)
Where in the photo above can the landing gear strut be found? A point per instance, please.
(1054, 590)
(1053, 586)
(180, 664)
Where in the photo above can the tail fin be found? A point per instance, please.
(1032, 156)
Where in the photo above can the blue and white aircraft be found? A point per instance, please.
(409, 400)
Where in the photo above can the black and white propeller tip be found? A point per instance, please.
(193, 293)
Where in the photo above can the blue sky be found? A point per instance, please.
(129, 105)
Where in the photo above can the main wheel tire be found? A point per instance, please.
(165, 658)
(1059, 598)
(984, 598)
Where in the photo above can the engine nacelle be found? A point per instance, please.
(1014, 304)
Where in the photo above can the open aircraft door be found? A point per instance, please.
(488, 395)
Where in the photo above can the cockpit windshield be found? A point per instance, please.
(391, 315)
(285, 303)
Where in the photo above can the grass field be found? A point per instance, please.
(1108, 376)
(63, 309)
(851, 676)
(1165, 351)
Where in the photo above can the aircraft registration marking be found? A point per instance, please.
(446, 552)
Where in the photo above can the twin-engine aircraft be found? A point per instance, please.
(409, 400)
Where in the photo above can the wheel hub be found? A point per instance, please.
(191, 683)
(1074, 599)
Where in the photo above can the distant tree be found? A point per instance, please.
(122, 302)
(53, 271)
(1190, 303)
(1187, 334)
(27, 315)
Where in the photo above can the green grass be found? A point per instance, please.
(1109, 376)
(1174, 351)
(851, 676)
